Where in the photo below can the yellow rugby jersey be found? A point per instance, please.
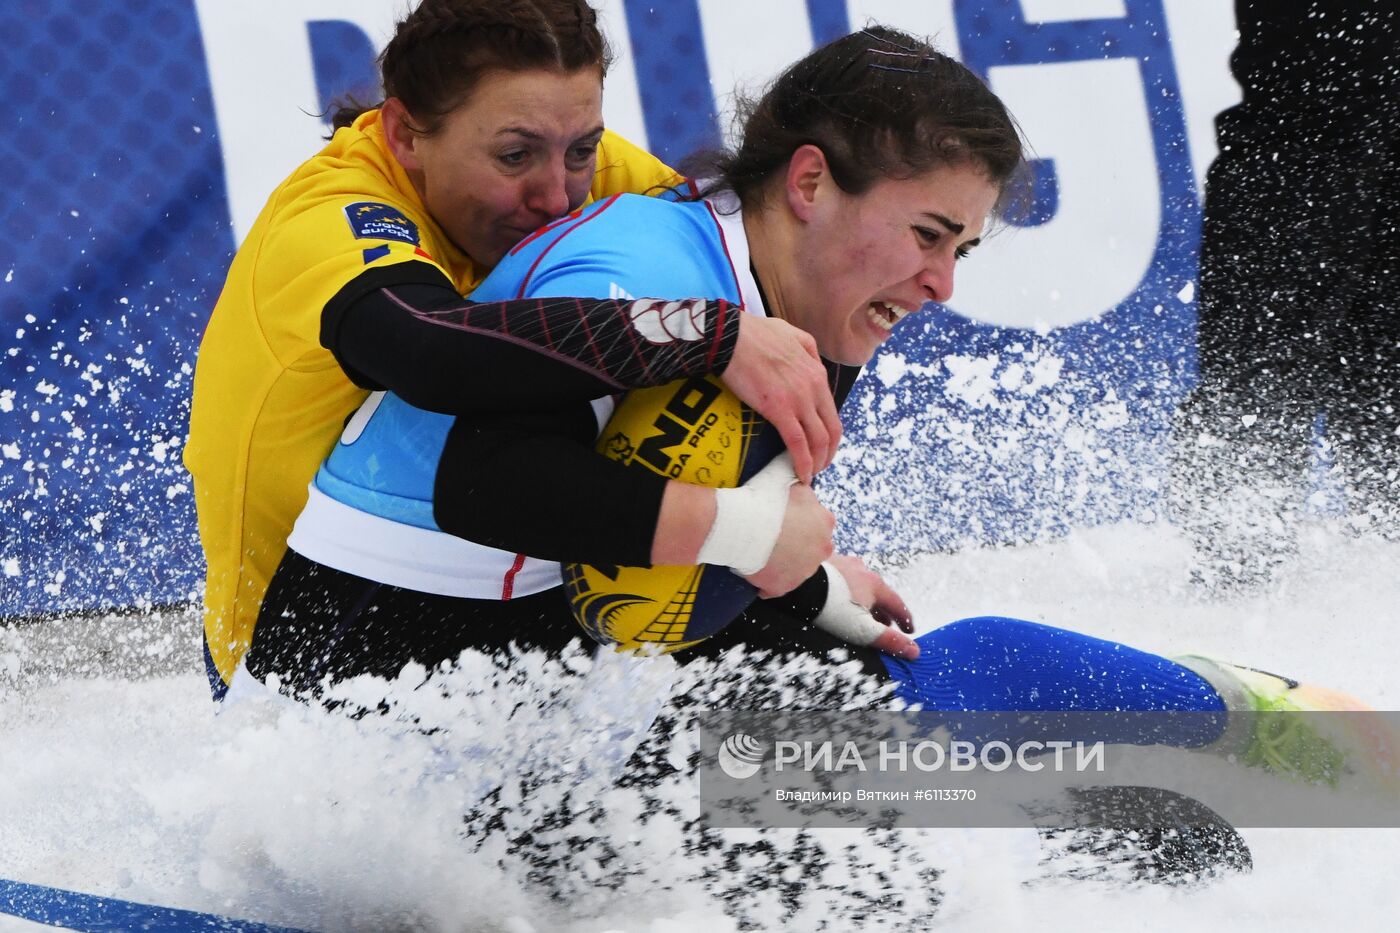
(269, 400)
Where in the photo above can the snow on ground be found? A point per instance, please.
(117, 779)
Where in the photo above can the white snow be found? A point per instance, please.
(119, 780)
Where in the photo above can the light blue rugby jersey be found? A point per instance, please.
(627, 246)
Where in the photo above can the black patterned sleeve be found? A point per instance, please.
(403, 328)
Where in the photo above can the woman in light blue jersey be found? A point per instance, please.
(458, 523)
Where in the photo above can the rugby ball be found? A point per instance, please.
(696, 431)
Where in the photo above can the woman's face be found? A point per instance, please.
(865, 261)
(517, 154)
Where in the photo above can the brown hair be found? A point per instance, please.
(441, 50)
(879, 103)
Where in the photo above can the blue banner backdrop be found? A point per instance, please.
(1006, 416)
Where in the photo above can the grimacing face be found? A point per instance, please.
(866, 261)
(518, 153)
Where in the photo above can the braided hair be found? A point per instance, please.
(441, 50)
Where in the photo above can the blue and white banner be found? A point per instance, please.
(144, 137)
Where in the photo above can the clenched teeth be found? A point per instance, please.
(886, 315)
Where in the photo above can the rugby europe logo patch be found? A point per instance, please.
(375, 221)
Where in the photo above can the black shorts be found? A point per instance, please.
(317, 623)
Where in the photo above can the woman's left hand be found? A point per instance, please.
(863, 609)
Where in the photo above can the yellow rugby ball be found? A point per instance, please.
(696, 431)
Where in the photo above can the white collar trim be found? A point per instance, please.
(736, 245)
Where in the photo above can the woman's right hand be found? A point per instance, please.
(777, 372)
(803, 543)
(772, 522)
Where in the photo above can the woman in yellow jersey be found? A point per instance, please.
(491, 127)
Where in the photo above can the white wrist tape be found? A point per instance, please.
(847, 620)
(749, 518)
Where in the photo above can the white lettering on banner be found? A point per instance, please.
(922, 751)
(1059, 749)
(962, 756)
(747, 44)
(814, 796)
(264, 87)
(818, 756)
(996, 756)
(1063, 11)
(786, 753)
(736, 61)
(622, 103)
(1094, 755)
(1023, 759)
(1091, 119)
(1202, 37)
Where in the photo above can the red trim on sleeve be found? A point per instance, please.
(588, 332)
(508, 584)
(637, 354)
(572, 215)
(544, 325)
(719, 334)
(501, 332)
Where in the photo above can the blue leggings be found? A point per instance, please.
(993, 663)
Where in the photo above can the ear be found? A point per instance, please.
(398, 134)
(807, 175)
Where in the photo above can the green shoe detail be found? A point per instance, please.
(1293, 729)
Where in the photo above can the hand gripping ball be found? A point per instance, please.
(695, 431)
